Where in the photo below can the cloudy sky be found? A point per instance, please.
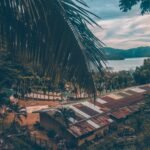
(120, 30)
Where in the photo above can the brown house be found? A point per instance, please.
(92, 119)
(79, 132)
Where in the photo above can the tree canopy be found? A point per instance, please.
(53, 37)
(126, 5)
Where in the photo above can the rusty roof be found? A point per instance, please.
(121, 113)
(90, 115)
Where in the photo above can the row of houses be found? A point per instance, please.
(93, 118)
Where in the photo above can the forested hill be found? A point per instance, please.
(115, 54)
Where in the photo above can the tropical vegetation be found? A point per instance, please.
(47, 39)
(126, 5)
(110, 81)
(43, 39)
(64, 114)
(49, 36)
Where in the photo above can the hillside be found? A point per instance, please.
(117, 54)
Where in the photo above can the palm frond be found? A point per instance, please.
(53, 36)
(126, 5)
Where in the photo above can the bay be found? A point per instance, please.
(126, 64)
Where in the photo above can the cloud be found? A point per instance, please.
(125, 33)
(120, 30)
(109, 9)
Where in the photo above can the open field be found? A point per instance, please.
(26, 103)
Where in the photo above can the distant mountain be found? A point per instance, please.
(117, 54)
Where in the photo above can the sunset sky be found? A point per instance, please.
(120, 30)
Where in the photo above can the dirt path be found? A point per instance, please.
(27, 103)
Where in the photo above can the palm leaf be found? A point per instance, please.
(52, 35)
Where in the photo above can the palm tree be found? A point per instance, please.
(64, 114)
(126, 5)
(53, 37)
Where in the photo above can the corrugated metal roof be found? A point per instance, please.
(89, 125)
(86, 109)
(101, 101)
(91, 115)
(92, 106)
(138, 90)
(121, 113)
(146, 87)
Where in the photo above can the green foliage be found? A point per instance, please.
(20, 144)
(10, 71)
(126, 5)
(111, 81)
(142, 74)
(51, 133)
(63, 114)
(7, 76)
(52, 36)
(117, 80)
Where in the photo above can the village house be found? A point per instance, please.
(93, 119)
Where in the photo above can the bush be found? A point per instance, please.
(38, 126)
(51, 134)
